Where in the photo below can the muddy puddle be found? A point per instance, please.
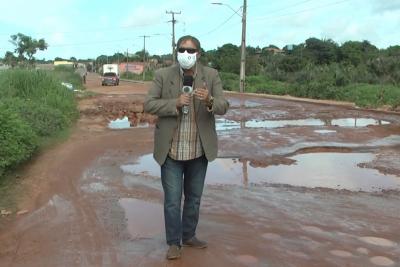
(311, 170)
(144, 219)
(124, 123)
(224, 124)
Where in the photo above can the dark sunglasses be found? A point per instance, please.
(189, 50)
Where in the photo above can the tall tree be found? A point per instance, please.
(321, 51)
(227, 58)
(27, 47)
(10, 59)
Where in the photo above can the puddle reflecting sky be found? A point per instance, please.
(223, 124)
(120, 123)
(328, 170)
(325, 131)
(124, 123)
(144, 219)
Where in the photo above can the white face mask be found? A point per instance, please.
(186, 60)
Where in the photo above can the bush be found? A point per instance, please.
(368, 95)
(33, 106)
(18, 141)
(68, 74)
(149, 75)
(40, 87)
(43, 119)
(262, 84)
(230, 81)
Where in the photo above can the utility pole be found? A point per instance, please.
(144, 55)
(173, 33)
(126, 67)
(243, 49)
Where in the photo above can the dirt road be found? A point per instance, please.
(295, 184)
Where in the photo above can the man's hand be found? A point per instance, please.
(202, 94)
(183, 100)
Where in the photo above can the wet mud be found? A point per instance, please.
(295, 184)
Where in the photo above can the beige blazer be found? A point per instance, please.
(161, 101)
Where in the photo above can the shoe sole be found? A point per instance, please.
(173, 258)
(191, 246)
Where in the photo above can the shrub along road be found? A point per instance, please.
(296, 184)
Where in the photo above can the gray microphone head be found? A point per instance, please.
(187, 84)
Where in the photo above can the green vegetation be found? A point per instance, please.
(34, 107)
(320, 69)
(25, 47)
(354, 71)
(66, 73)
(254, 84)
(149, 75)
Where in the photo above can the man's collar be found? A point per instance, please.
(194, 68)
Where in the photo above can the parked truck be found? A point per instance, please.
(110, 74)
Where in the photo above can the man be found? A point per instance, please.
(184, 138)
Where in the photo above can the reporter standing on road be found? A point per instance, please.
(185, 138)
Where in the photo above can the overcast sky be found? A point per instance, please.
(87, 29)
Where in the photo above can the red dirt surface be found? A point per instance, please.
(89, 205)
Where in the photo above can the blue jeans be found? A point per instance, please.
(179, 228)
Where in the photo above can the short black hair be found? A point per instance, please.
(191, 38)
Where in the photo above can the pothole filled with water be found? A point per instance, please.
(124, 123)
(144, 219)
(224, 124)
(326, 170)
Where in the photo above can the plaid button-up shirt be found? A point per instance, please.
(186, 143)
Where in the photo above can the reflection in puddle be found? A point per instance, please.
(144, 219)
(223, 124)
(124, 123)
(328, 170)
(120, 123)
(325, 131)
(146, 166)
(354, 122)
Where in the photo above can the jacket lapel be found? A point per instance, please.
(198, 82)
(173, 82)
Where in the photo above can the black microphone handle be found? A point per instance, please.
(187, 80)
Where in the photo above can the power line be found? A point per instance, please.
(222, 24)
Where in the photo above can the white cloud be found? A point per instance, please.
(57, 38)
(143, 16)
(382, 6)
(26, 13)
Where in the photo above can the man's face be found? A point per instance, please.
(189, 46)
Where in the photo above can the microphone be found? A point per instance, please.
(187, 89)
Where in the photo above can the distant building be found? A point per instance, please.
(274, 50)
(134, 67)
(63, 62)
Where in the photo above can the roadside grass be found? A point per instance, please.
(363, 95)
(84, 94)
(254, 84)
(34, 109)
(149, 75)
(68, 74)
(10, 190)
(372, 96)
